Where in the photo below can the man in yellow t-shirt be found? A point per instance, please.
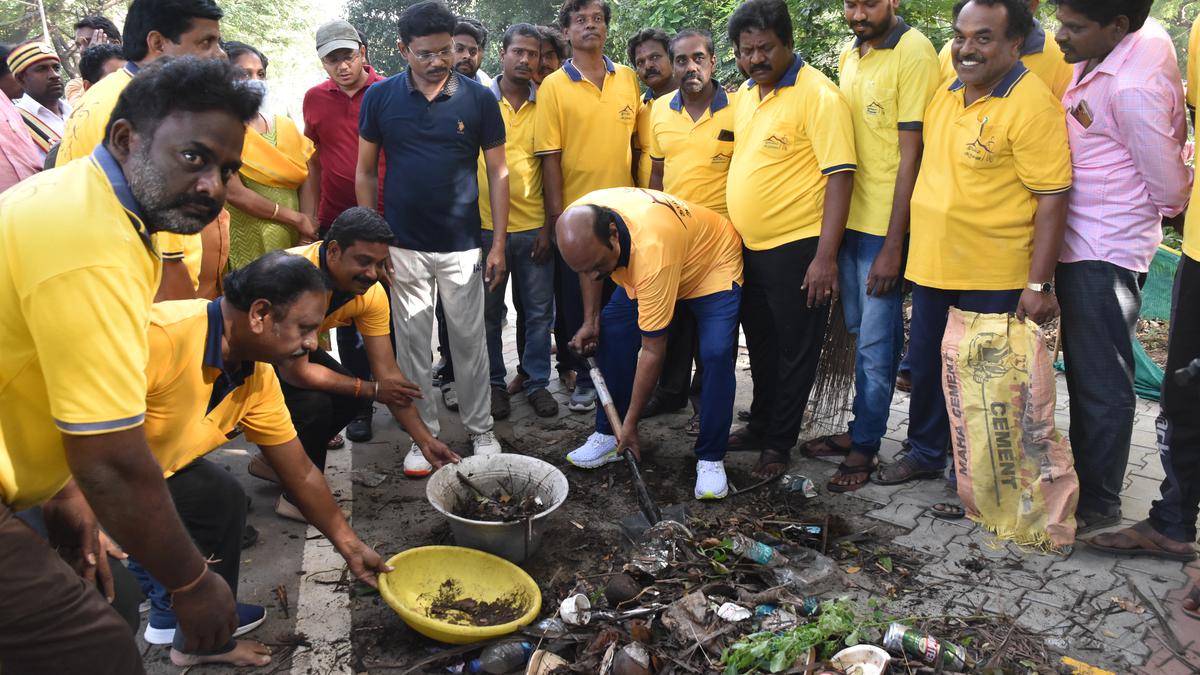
(586, 117)
(988, 210)
(77, 275)
(788, 193)
(529, 249)
(649, 51)
(152, 31)
(1170, 530)
(209, 378)
(888, 73)
(322, 395)
(1039, 52)
(660, 251)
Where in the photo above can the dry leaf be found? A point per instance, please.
(1128, 605)
(853, 569)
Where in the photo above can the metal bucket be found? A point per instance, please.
(513, 541)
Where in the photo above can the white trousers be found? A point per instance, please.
(456, 278)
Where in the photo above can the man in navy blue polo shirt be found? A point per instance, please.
(431, 123)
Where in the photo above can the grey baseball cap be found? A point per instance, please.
(336, 35)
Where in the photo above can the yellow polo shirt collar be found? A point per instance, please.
(214, 358)
(720, 99)
(116, 178)
(891, 39)
(576, 76)
(1003, 88)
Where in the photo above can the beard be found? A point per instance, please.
(178, 213)
(873, 30)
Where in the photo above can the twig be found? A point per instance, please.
(751, 488)
(281, 594)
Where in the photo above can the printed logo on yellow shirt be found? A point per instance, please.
(777, 142)
(721, 158)
(981, 150)
(626, 114)
(874, 109)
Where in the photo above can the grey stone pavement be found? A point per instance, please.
(1118, 614)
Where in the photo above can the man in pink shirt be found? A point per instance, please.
(1126, 120)
(19, 157)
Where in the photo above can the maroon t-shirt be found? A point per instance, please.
(331, 121)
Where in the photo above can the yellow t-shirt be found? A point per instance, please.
(525, 209)
(1191, 222)
(369, 312)
(695, 154)
(1040, 54)
(77, 276)
(192, 405)
(592, 129)
(644, 139)
(670, 250)
(976, 195)
(888, 90)
(785, 146)
(89, 120)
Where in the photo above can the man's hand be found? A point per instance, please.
(542, 246)
(396, 390)
(630, 440)
(821, 281)
(438, 453)
(1041, 307)
(74, 532)
(496, 266)
(885, 271)
(365, 564)
(586, 339)
(207, 614)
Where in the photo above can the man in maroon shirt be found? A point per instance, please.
(331, 116)
(331, 121)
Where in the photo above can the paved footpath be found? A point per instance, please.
(1079, 602)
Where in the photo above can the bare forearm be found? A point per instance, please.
(312, 376)
(906, 180)
(498, 197)
(1049, 224)
(308, 490)
(836, 210)
(656, 175)
(250, 202)
(552, 186)
(366, 187)
(125, 488)
(310, 195)
(592, 292)
(176, 283)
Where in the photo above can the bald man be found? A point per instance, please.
(659, 250)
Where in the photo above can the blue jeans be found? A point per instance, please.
(717, 328)
(878, 324)
(534, 283)
(928, 423)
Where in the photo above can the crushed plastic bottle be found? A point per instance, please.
(496, 659)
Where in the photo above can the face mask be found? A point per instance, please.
(259, 86)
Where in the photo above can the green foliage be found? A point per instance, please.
(837, 626)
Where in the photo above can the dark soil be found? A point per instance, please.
(514, 499)
(449, 606)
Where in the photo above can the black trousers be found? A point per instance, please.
(1179, 422)
(783, 337)
(319, 415)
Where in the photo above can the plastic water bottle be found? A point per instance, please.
(502, 658)
(756, 551)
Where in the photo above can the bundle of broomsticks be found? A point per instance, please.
(832, 396)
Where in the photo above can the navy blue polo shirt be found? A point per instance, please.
(430, 191)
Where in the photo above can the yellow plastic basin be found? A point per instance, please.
(419, 573)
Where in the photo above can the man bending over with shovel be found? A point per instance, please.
(658, 249)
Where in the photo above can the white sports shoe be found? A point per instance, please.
(710, 480)
(598, 450)
(415, 465)
(485, 444)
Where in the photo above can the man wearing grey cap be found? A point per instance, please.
(331, 121)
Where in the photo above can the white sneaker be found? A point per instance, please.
(598, 450)
(710, 480)
(415, 464)
(485, 444)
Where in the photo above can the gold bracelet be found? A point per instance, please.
(276, 211)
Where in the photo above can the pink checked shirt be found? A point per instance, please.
(1128, 169)
(19, 157)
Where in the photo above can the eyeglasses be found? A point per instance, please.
(331, 60)
(426, 57)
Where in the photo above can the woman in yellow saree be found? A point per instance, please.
(272, 200)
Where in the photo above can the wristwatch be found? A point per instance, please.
(1045, 288)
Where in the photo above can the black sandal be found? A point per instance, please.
(771, 457)
(823, 446)
(947, 511)
(844, 469)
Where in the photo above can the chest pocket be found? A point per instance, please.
(779, 141)
(721, 146)
(879, 105)
(981, 144)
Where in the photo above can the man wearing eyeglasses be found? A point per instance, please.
(331, 117)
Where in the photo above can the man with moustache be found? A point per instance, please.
(37, 68)
(331, 111)
(554, 52)
(888, 73)
(1039, 52)
(470, 39)
(529, 249)
(788, 194)
(78, 273)
(988, 211)
(1128, 126)
(586, 116)
(648, 53)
